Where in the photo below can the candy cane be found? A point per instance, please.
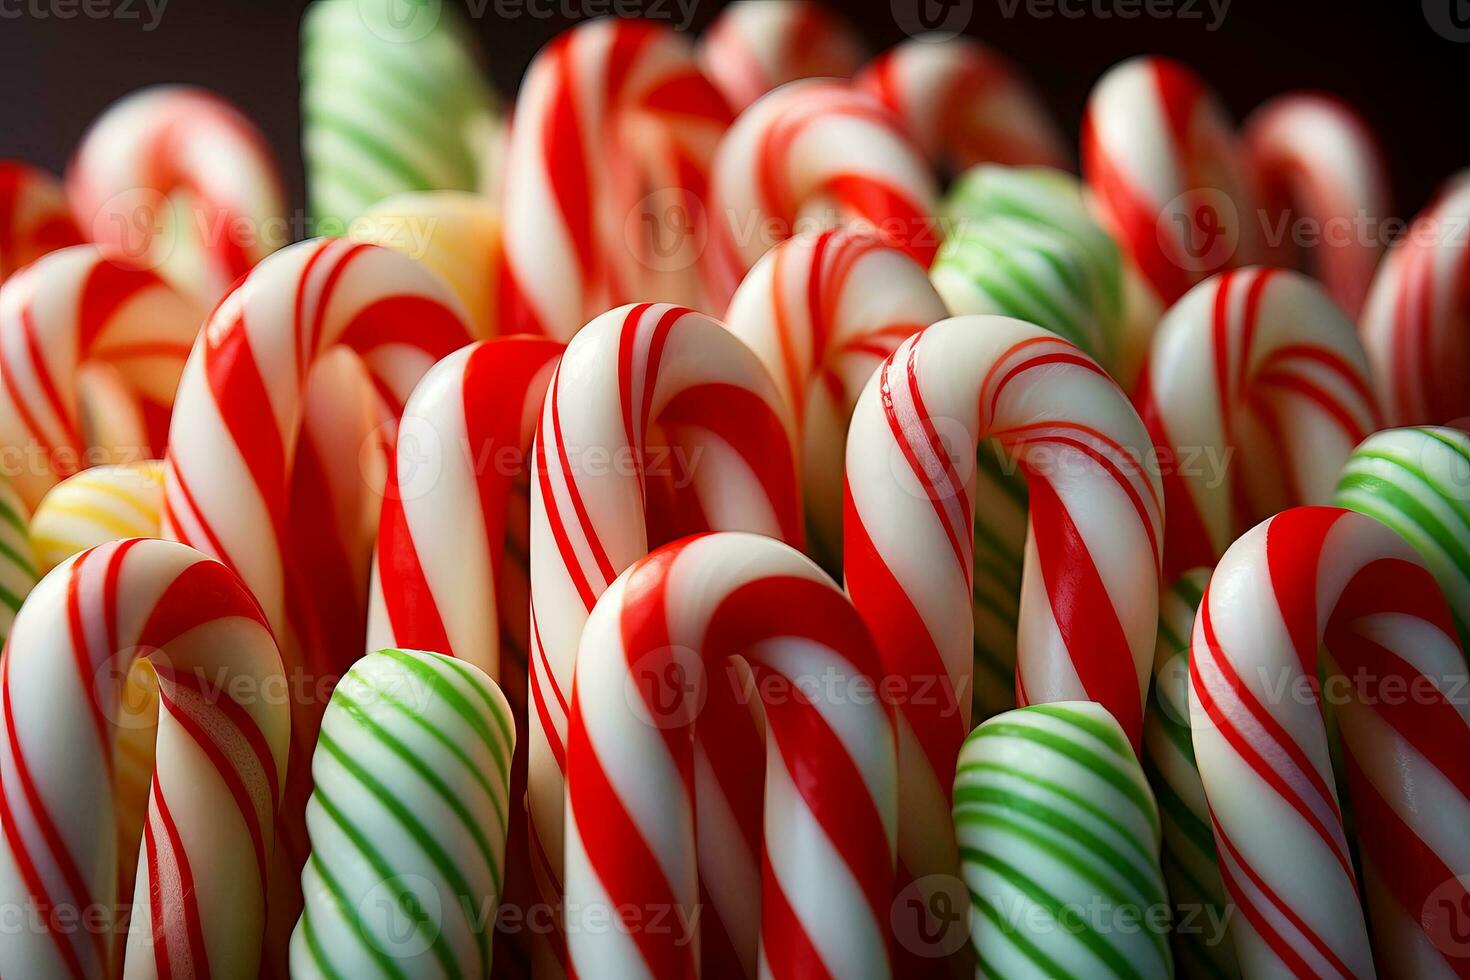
(1023, 244)
(657, 642)
(658, 423)
(455, 234)
(104, 503)
(34, 216)
(1417, 481)
(18, 572)
(1089, 598)
(296, 521)
(178, 179)
(1160, 157)
(594, 214)
(1395, 683)
(1414, 322)
(1061, 838)
(964, 104)
(754, 46)
(821, 311)
(818, 153)
(91, 350)
(1256, 390)
(407, 822)
(1317, 166)
(1191, 866)
(199, 905)
(392, 100)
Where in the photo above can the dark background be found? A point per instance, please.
(1384, 56)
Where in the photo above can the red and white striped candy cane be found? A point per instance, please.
(816, 153)
(658, 641)
(1317, 169)
(34, 217)
(754, 46)
(659, 423)
(964, 104)
(1256, 391)
(91, 349)
(1089, 595)
(1396, 678)
(195, 152)
(606, 175)
(269, 458)
(1160, 157)
(1416, 322)
(821, 311)
(199, 905)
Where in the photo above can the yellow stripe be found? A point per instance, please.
(104, 518)
(144, 506)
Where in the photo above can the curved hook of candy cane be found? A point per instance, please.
(965, 104)
(1310, 578)
(1060, 837)
(754, 46)
(659, 638)
(92, 347)
(1089, 596)
(408, 822)
(1318, 168)
(1413, 323)
(178, 179)
(577, 243)
(34, 216)
(199, 905)
(830, 154)
(1256, 390)
(821, 311)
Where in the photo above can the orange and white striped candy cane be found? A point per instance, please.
(658, 641)
(1160, 157)
(816, 154)
(754, 46)
(91, 350)
(271, 457)
(1311, 578)
(1416, 322)
(964, 104)
(821, 311)
(199, 905)
(1089, 593)
(34, 216)
(1320, 175)
(177, 178)
(1256, 391)
(659, 423)
(606, 175)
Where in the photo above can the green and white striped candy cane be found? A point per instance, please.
(407, 822)
(1201, 945)
(1059, 841)
(1044, 260)
(17, 561)
(1417, 481)
(393, 100)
